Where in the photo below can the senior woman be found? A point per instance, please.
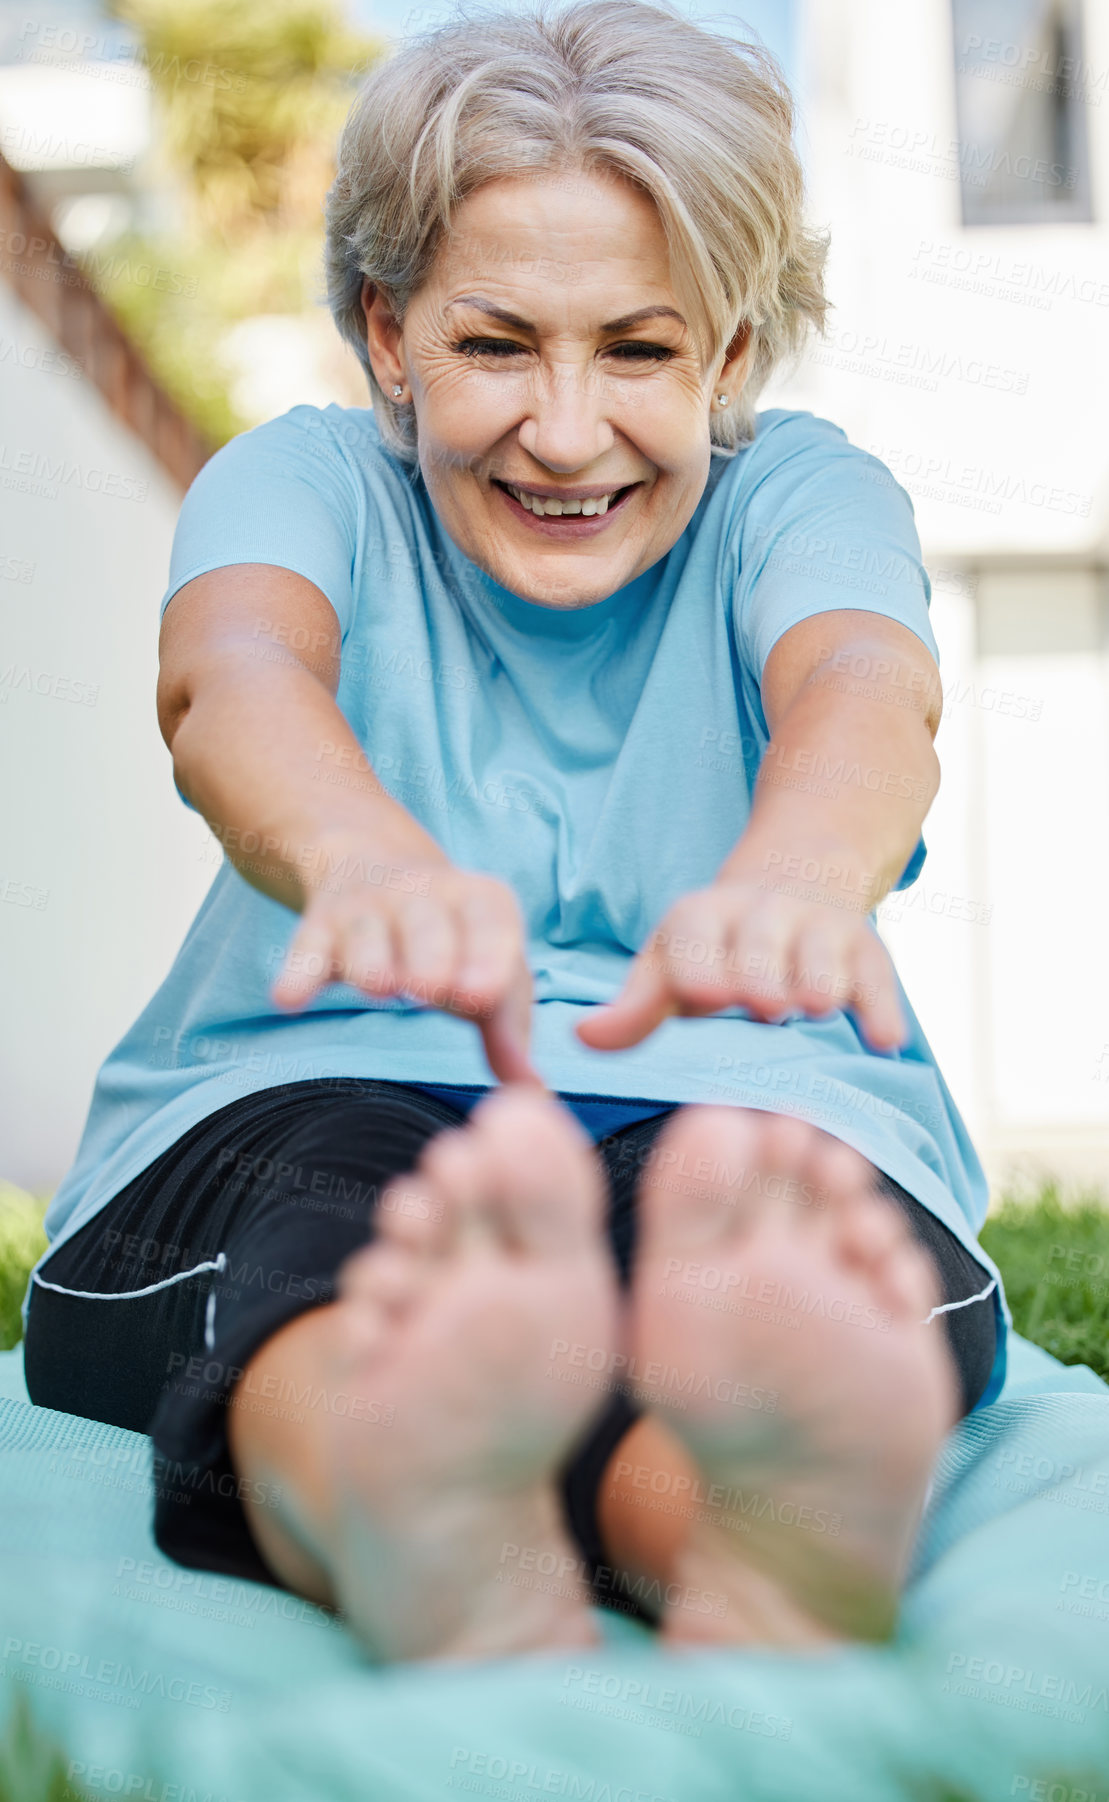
(562, 720)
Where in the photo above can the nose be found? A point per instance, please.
(567, 427)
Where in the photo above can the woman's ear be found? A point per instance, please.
(382, 334)
(738, 355)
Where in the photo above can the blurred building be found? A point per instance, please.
(102, 868)
(959, 154)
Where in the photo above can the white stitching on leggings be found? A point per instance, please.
(946, 1307)
(133, 1294)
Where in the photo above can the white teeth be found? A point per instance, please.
(555, 508)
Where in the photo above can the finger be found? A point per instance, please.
(426, 941)
(820, 971)
(506, 1036)
(490, 941)
(760, 966)
(309, 965)
(367, 954)
(506, 1051)
(877, 1006)
(645, 1001)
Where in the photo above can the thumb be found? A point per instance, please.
(642, 1004)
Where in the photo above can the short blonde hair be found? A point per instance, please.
(701, 122)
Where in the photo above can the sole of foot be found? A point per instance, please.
(446, 1521)
(786, 1302)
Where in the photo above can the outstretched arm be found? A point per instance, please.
(382, 907)
(853, 701)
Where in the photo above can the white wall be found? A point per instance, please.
(938, 360)
(89, 815)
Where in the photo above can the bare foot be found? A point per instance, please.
(447, 1518)
(777, 1313)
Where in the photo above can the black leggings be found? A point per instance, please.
(147, 1316)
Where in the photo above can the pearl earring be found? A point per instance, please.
(721, 400)
(397, 390)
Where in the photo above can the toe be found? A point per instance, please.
(873, 1237)
(383, 1277)
(870, 1232)
(696, 1188)
(413, 1211)
(544, 1186)
(911, 1281)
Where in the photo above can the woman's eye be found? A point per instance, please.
(477, 347)
(658, 353)
(499, 347)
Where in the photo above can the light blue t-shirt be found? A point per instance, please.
(601, 761)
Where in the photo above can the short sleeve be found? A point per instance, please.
(283, 494)
(823, 525)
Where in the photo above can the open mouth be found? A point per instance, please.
(570, 517)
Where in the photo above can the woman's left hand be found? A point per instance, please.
(737, 943)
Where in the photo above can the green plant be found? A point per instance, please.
(1053, 1253)
(32, 1769)
(250, 101)
(22, 1241)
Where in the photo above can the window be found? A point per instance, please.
(1022, 90)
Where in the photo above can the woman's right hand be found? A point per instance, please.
(449, 938)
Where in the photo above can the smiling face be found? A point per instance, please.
(547, 351)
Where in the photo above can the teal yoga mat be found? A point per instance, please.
(171, 1685)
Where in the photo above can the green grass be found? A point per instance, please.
(22, 1240)
(1052, 1250)
(32, 1767)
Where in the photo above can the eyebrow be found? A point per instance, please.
(623, 324)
